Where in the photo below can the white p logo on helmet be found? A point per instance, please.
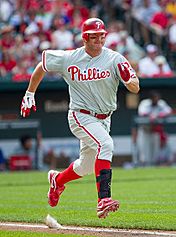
(98, 24)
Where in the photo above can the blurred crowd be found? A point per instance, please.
(31, 26)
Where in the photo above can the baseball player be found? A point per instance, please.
(92, 73)
(148, 135)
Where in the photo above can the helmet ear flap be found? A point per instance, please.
(85, 36)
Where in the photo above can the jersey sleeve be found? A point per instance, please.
(144, 108)
(53, 60)
(121, 59)
(166, 109)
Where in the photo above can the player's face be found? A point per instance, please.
(96, 41)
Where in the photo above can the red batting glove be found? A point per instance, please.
(124, 72)
(27, 104)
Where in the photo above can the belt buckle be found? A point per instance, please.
(100, 116)
(93, 113)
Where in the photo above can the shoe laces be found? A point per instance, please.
(53, 181)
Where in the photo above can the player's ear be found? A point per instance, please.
(84, 41)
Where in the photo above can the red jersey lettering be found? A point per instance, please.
(87, 75)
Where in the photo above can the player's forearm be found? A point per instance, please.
(133, 86)
(36, 77)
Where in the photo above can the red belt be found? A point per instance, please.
(98, 116)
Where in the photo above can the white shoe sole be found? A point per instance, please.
(111, 208)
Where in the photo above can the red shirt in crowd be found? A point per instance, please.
(161, 19)
(8, 65)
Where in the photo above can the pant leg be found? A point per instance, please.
(85, 163)
(155, 146)
(144, 143)
(94, 137)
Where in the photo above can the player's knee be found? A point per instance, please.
(82, 171)
(106, 150)
(108, 145)
(83, 168)
(86, 170)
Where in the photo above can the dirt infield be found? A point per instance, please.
(102, 232)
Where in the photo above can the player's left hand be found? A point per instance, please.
(124, 72)
(152, 117)
(27, 104)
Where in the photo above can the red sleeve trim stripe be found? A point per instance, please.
(44, 61)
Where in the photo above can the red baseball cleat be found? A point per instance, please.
(54, 190)
(105, 206)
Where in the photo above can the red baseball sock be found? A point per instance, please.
(101, 165)
(67, 175)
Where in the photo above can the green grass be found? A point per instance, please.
(147, 197)
(34, 234)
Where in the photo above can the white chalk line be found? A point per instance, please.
(90, 229)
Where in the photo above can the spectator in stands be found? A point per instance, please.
(26, 54)
(6, 10)
(29, 23)
(76, 22)
(160, 21)
(6, 40)
(79, 7)
(19, 20)
(44, 16)
(114, 27)
(62, 38)
(163, 69)
(42, 33)
(113, 46)
(21, 72)
(143, 12)
(44, 45)
(127, 43)
(18, 49)
(172, 44)
(78, 41)
(94, 12)
(27, 147)
(172, 36)
(148, 66)
(62, 8)
(31, 38)
(7, 63)
(171, 8)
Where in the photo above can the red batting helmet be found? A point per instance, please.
(92, 25)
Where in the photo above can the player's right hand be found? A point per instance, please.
(28, 103)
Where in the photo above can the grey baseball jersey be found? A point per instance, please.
(93, 82)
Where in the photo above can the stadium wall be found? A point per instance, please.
(52, 106)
